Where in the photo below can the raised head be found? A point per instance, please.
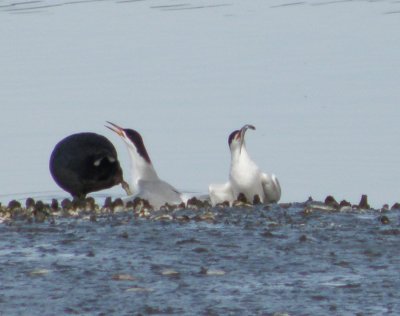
(236, 138)
(132, 139)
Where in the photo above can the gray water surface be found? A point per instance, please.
(319, 80)
(246, 261)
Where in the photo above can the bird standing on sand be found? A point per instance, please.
(145, 182)
(245, 176)
(86, 162)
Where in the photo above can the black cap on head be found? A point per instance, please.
(239, 134)
(137, 140)
(232, 136)
(133, 136)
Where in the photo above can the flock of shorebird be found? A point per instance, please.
(87, 162)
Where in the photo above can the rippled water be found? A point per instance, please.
(245, 262)
(319, 80)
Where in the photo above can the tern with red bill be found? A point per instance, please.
(245, 176)
(145, 182)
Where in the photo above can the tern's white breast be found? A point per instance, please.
(245, 177)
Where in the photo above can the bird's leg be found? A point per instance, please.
(126, 187)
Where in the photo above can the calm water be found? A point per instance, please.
(245, 262)
(319, 80)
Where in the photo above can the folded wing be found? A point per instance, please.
(271, 187)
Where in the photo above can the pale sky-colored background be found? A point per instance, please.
(319, 79)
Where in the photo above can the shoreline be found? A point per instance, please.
(194, 210)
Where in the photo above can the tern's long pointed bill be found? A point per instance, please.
(243, 131)
(116, 129)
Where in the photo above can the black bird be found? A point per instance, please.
(86, 162)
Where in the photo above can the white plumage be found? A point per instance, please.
(145, 182)
(245, 176)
